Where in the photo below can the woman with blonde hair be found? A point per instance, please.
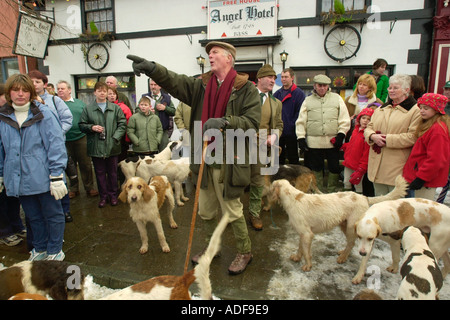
(391, 134)
(363, 95)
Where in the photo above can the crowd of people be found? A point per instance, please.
(388, 126)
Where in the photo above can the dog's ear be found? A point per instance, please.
(147, 193)
(124, 193)
(356, 226)
(375, 220)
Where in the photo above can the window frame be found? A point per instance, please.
(5, 71)
(319, 6)
(84, 13)
(350, 82)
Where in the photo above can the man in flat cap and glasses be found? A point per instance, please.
(222, 99)
(321, 127)
(270, 129)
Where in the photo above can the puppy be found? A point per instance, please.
(177, 287)
(390, 216)
(300, 177)
(41, 278)
(317, 213)
(421, 277)
(145, 202)
(176, 171)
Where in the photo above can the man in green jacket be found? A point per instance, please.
(222, 99)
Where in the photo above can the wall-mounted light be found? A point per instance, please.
(201, 62)
(284, 57)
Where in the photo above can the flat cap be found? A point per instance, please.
(266, 70)
(322, 79)
(223, 45)
(447, 84)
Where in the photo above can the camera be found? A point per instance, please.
(102, 135)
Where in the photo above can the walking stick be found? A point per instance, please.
(194, 212)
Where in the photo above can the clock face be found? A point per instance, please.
(97, 56)
(342, 42)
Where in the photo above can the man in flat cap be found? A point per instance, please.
(270, 129)
(321, 128)
(222, 99)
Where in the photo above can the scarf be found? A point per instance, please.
(216, 98)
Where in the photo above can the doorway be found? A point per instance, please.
(250, 68)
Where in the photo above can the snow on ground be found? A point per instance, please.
(330, 280)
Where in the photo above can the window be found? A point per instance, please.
(342, 78)
(84, 86)
(8, 67)
(350, 5)
(100, 13)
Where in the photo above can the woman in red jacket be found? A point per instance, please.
(429, 161)
(356, 153)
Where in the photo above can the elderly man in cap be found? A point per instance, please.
(222, 99)
(321, 128)
(270, 129)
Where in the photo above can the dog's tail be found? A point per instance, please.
(202, 269)
(401, 187)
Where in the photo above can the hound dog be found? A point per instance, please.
(145, 203)
(176, 171)
(177, 287)
(129, 165)
(386, 217)
(421, 277)
(41, 278)
(301, 177)
(317, 213)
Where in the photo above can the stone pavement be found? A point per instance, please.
(105, 243)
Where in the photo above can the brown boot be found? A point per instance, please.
(240, 263)
(256, 223)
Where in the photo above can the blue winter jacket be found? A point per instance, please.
(60, 109)
(30, 154)
(292, 100)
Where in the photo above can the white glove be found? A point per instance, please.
(58, 188)
(1, 184)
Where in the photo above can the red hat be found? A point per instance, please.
(365, 112)
(433, 100)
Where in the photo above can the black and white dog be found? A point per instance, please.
(421, 277)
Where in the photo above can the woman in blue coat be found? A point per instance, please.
(32, 161)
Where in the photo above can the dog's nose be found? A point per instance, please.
(134, 198)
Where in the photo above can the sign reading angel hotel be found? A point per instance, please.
(242, 18)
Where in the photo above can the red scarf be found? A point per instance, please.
(216, 99)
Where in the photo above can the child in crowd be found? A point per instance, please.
(356, 153)
(104, 124)
(145, 129)
(427, 165)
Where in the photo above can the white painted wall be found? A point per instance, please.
(178, 53)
